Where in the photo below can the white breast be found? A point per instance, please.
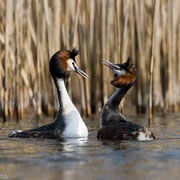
(74, 125)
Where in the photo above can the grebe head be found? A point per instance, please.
(124, 74)
(63, 62)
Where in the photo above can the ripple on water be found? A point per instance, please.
(90, 158)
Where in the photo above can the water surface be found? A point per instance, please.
(89, 158)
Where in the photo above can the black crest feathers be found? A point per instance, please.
(129, 62)
(74, 53)
(129, 65)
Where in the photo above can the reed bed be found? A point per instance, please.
(32, 31)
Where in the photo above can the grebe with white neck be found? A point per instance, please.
(68, 122)
(112, 122)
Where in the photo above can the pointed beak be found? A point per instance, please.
(110, 65)
(82, 73)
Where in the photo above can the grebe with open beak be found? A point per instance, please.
(68, 122)
(113, 124)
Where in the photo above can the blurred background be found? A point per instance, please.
(32, 31)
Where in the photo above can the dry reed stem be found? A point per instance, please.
(112, 30)
(152, 63)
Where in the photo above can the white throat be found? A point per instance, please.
(64, 97)
(74, 125)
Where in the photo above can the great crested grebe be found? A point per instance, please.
(68, 122)
(113, 124)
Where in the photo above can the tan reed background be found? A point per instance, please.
(31, 31)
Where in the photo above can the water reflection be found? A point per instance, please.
(92, 159)
(70, 144)
(116, 145)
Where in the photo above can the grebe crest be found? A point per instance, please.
(68, 122)
(112, 122)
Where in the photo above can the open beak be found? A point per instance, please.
(79, 71)
(82, 73)
(110, 65)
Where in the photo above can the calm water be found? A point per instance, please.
(90, 158)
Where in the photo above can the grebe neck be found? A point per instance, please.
(110, 114)
(63, 97)
(68, 117)
(114, 101)
(65, 103)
